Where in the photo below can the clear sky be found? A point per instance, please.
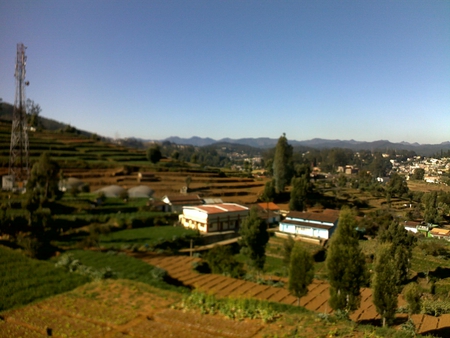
(363, 70)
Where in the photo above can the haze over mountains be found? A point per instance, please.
(261, 142)
(318, 143)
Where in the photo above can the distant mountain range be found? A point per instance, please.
(261, 142)
(318, 143)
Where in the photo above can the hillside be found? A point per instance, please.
(71, 150)
(6, 113)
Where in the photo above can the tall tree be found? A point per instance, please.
(301, 271)
(431, 213)
(401, 249)
(345, 265)
(385, 288)
(44, 180)
(288, 245)
(254, 237)
(282, 164)
(301, 186)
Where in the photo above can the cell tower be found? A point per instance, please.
(18, 160)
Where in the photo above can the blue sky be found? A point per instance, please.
(363, 70)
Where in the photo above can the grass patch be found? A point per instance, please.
(150, 236)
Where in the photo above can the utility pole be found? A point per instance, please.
(18, 160)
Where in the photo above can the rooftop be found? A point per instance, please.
(328, 215)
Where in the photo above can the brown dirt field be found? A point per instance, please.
(426, 187)
(444, 321)
(230, 289)
(118, 309)
(316, 300)
(429, 323)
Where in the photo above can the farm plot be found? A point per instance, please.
(118, 308)
(24, 280)
(316, 300)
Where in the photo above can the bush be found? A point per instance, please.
(435, 307)
(234, 308)
(221, 260)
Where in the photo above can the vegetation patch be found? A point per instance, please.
(24, 280)
(119, 265)
(235, 308)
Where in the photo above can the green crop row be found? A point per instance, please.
(24, 280)
(125, 267)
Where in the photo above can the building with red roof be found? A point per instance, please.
(213, 217)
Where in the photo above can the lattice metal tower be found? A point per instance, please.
(18, 160)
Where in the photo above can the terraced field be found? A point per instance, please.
(180, 267)
(118, 309)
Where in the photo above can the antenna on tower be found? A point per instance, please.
(18, 159)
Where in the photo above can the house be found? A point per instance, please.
(269, 211)
(311, 224)
(425, 228)
(411, 226)
(213, 217)
(175, 203)
(440, 233)
(349, 169)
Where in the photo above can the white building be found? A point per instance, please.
(311, 224)
(213, 217)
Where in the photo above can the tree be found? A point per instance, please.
(431, 213)
(345, 264)
(384, 285)
(288, 245)
(397, 185)
(44, 180)
(401, 249)
(254, 237)
(301, 186)
(412, 294)
(33, 111)
(269, 192)
(154, 154)
(221, 261)
(301, 271)
(175, 155)
(418, 174)
(282, 164)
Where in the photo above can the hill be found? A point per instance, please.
(6, 113)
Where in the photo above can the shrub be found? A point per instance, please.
(221, 260)
(234, 308)
(435, 307)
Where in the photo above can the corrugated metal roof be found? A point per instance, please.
(328, 215)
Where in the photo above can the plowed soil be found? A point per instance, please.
(316, 299)
(118, 309)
